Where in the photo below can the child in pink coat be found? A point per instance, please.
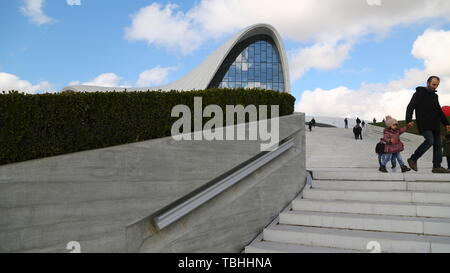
(393, 146)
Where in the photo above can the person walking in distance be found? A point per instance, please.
(374, 121)
(357, 131)
(346, 123)
(429, 115)
(313, 121)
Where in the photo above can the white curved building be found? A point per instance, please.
(253, 58)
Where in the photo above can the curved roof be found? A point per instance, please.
(201, 77)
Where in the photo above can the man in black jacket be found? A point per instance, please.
(429, 115)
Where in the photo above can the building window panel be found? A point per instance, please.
(275, 58)
(263, 56)
(256, 66)
(269, 75)
(269, 53)
(244, 76)
(263, 77)
(251, 74)
(263, 67)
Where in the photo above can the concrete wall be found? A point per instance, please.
(377, 132)
(92, 197)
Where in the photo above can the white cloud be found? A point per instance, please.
(10, 82)
(34, 10)
(306, 20)
(433, 48)
(106, 80)
(74, 83)
(155, 76)
(152, 77)
(164, 27)
(301, 21)
(344, 102)
(322, 56)
(379, 100)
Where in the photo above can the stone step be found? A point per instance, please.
(359, 185)
(402, 224)
(365, 174)
(429, 186)
(375, 208)
(357, 240)
(442, 187)
(357, 176)
(274, 247)
(436, 177)
(378, 196)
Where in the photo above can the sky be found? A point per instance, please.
(347, 58)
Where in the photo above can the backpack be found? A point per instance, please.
(379, 149)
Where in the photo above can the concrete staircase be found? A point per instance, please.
(347, 211)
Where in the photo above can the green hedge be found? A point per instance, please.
(42, 125)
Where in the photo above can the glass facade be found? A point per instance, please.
(255, 63)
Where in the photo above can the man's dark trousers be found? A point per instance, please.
(432, 138)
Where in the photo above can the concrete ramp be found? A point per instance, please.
(99, 198)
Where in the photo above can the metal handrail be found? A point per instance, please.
(190, 202)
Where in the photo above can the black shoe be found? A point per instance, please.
(412, 164)
(405, 169)
(440, 170)
(383, 169)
